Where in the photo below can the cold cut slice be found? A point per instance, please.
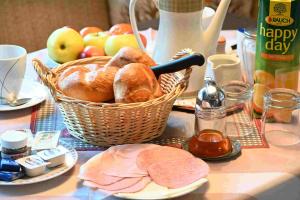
(178, 172)
(124, 183)
(91, 171)
(121, 160)
(134, 188)
(161, 153)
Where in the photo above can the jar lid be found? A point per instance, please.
(250, 32)
(14, 139)
(237, 90)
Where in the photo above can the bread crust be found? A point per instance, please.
(136, 82)
(88, 82)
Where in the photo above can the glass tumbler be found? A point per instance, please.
(238, 103)
(280, 119)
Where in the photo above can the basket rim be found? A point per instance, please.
(176, 91)
(51, 75)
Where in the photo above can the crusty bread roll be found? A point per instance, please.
(136, 82)
(88, 82)
(128, 55)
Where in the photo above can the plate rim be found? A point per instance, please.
(74, 155)
(174, 194)
(42, 97)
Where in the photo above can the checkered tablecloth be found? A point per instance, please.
(47, 117)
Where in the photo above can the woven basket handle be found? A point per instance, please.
(45, 75)
(181, 54)
(185, 80)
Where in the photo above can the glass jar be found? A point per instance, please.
(246, 51)
(280, 119)
(238, 105)
(210, 139)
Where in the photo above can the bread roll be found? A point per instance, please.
(135, 82)
(88, 82)
(128, 55)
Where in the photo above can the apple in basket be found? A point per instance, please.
(115, 42)
(90, 29)
(96, 39)
(90, 51)
(119, 29)
(64, 44)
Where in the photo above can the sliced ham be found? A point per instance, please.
(178, 172)
(121, 160)
(91, 171)
(134, 188)
(129, 168)
(122, 184)
(159, 154)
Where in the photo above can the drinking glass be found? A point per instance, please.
(238, 103)
(280, 119)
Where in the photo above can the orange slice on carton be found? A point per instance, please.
(265, 78)
(287, 80)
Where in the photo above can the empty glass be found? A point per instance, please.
(238, 105)
(280, 120)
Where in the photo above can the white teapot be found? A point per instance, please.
(180, 27)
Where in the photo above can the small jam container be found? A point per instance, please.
(54, 157)
(33, 165)
(14, 144)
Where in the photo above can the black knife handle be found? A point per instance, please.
(180, 64)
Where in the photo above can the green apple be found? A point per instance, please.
(96, 39)
(64, 44)
(116, 42)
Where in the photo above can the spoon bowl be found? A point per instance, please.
(14, 102)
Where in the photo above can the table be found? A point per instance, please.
(259, 173)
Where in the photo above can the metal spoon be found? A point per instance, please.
(14, 102)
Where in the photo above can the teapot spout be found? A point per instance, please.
(212, 33)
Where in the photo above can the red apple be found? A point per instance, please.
(143, 38)
(119, 29)
(90, 29)
(90, 51)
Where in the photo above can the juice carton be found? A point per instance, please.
(277, 48)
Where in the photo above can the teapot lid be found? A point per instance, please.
(180, 5)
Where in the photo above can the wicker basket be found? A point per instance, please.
(107, 124)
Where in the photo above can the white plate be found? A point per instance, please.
(155, 191)
(71, 159)
(29, 89)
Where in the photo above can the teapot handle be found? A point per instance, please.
(134, 25)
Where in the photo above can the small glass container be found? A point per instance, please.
(280, 120)
(210, 139)
(14, 144)
(238, 105)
